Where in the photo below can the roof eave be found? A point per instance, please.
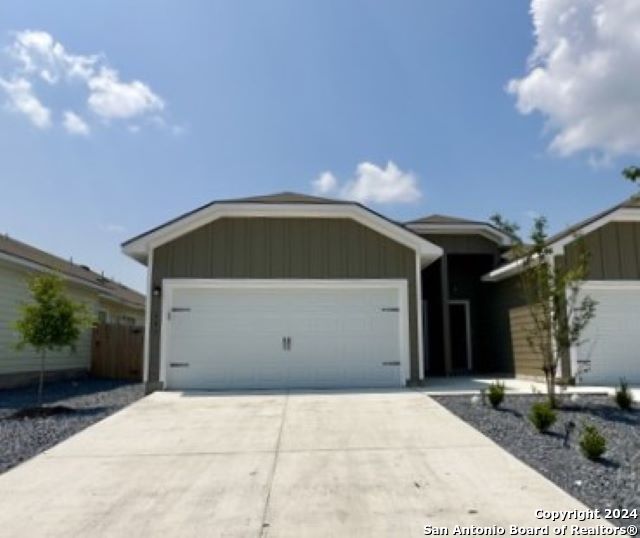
(483, 229)
(140, 246)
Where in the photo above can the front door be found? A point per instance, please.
(460, 329)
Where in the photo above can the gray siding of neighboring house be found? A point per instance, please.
(282, 248)
(614, 251)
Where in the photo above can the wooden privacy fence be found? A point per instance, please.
(116, 351)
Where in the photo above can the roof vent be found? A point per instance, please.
(85, 267)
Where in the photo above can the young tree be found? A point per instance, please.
(552, 291)
(509, 227)
(51, 321)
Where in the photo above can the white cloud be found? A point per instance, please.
(110, 98)
(583, 74)
(74, 124)
(39, 54)
(20, 98)
(38, 58)
(326, 183)
(372, 184)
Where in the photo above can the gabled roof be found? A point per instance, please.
(286, 197)
(14, 250)
(446, 224)
(443, 219)
(632, 202)
(285, 204)
(627, 210)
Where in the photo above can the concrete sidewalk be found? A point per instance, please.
(371, 463)
(457, 385)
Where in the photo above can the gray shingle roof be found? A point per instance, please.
(285, 198)
(39, 257)
(443, 219)
(632, 202)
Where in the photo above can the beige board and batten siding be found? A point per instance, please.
(296, 248)
(527, 361)
(13, 293)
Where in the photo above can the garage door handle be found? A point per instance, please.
(286, 343)
(391, 363)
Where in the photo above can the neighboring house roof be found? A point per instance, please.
(286, 197)
(443, 219)
(627, 210)
(286, 204)
(630, 203)
(13, 250)
(446, 224)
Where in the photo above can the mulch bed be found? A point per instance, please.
(69, 406)
(611, 482)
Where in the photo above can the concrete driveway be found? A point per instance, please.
(314, 464)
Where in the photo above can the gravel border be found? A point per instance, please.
(94, 399)
(613, 482)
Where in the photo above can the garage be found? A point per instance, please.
(222, 334)
(282, 291)
(611, 349)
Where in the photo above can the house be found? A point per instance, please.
(610, 350)
(110, 301)
(296, 291)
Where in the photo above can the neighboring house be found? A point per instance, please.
(611, 348)
(296, 291)
(110, 302)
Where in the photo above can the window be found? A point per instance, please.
(127, 320)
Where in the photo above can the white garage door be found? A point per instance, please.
(244, 336)
(612, 346)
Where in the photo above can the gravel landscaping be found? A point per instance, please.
(612, 482)
(91, 399)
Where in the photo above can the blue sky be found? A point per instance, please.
(241, 98)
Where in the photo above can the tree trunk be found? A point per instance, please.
(550, 377)
(551, 390)
(41, 381)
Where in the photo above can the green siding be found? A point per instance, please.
(463, 243)
(502, 297)
(614, 251)
(282, 248)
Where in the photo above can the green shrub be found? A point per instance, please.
(495, 393)
(592, 442)
(624, 399)
(542, 416)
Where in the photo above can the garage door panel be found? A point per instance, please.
(232, 338)
(612, 339)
